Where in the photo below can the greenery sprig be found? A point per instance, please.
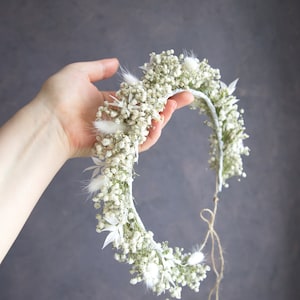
(123, 124)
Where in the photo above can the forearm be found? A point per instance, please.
(32, 150)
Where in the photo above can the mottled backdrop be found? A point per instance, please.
(58, 254)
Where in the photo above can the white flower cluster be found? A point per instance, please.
(123, 125)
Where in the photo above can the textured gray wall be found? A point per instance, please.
(58, 254)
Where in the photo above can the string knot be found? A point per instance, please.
(216, 253)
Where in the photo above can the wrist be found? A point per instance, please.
(33, 148)
(49, 126)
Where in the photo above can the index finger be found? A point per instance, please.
(183, 99)
(98, 69)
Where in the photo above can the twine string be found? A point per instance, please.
(216, 253)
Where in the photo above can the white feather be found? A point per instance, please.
(151, 275)
(191, 63)
(128, 77)
(108, 127)
(96, 184)
(196, 258)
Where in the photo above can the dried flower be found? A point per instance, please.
(125, 126)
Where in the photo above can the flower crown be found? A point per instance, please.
(122, 125)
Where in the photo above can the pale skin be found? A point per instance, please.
(52, 128)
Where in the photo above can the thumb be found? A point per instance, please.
(98, 69)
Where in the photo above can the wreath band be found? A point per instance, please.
(122, 126)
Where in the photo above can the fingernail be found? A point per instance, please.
(110, 62)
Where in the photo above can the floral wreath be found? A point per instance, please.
(122, 125)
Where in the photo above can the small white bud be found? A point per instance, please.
(106, 142)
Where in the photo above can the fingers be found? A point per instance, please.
(99, 69)
(157, 126)
(182, 99)
(177, 101)
(170, 107)
(153, 136)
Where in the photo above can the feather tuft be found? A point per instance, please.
(96, 184)
(108, 127)
(128, 77)
(196, 258)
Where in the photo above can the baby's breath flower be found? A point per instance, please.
(123, 124)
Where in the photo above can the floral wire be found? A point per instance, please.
(219, 181)
(217, 128)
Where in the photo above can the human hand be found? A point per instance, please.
(177, 101)
(73, 99)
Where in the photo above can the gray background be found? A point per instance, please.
(58, 254)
